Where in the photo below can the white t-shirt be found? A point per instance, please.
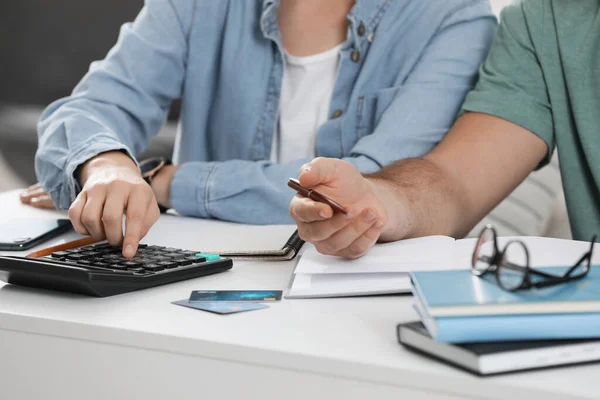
(306, 90)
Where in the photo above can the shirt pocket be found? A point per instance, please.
(371, 107)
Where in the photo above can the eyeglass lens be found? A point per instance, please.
(512, 268)
(484, 251)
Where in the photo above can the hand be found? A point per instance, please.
(161, 185)
(349, 236)
(113, 187)
(37, 197)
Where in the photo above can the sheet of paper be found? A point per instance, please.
(430, 253)
(336, 285)
(203, 235)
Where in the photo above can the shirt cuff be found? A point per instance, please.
(189, 188)
(66, 194)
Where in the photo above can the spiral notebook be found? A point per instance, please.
(288, 252)
(228, 239)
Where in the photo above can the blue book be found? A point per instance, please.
(503, 328)
(458, 307)
(459, 293)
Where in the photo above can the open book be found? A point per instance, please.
(384, 270)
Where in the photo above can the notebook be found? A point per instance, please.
(288, 252)
(478, 329)
(500, 357)
(458, 307)
(460, 293)
(228, 239)
(385, 269)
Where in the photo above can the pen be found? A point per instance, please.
(315, 196)
(62, 247)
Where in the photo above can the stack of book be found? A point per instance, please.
(474, 324)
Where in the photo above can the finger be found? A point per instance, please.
(32, 192)
(44, 202)
(112, 217)
(319, 171)
(344, 237)
(323, 230)
(362, 245)
(152, 215)
(35, 187)
(134, 224)
(75, 212)
(307, 210)
(91, 217)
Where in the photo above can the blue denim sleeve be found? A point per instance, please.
(121, 103)
(419, 116)
(427, 104)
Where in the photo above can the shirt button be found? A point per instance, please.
(361, 29)
(355, 56)
(337, 114)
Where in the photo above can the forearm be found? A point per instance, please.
(481, 161)
(421, 199)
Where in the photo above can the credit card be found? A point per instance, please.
(221, 307)
(236, 295)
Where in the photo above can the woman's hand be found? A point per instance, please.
(112, 188)
(37, 197)
(349, 236)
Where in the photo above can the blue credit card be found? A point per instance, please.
(221, 307)
(236, 295)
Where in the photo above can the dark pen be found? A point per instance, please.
(315, 196)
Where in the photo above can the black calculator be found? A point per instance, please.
(101, 270)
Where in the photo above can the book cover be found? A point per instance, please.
(500, 357)
(459, 293)
(519, 327)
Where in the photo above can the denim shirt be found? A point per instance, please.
(404, 71)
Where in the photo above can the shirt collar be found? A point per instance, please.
(369, 11)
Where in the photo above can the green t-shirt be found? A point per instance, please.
(543, 73)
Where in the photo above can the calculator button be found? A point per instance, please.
(132, 264)
(187, 261)
(154, 267)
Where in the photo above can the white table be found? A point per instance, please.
(139, 346)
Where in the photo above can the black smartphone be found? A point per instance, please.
(25, 233)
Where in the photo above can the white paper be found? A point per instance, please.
(333, 285)
(217, 236)
(430, 253)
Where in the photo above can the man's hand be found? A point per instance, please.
(351, 235)
(113, 187)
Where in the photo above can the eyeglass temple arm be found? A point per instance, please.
(555, 281)
(587, 256)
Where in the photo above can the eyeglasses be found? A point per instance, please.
(511, 265)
